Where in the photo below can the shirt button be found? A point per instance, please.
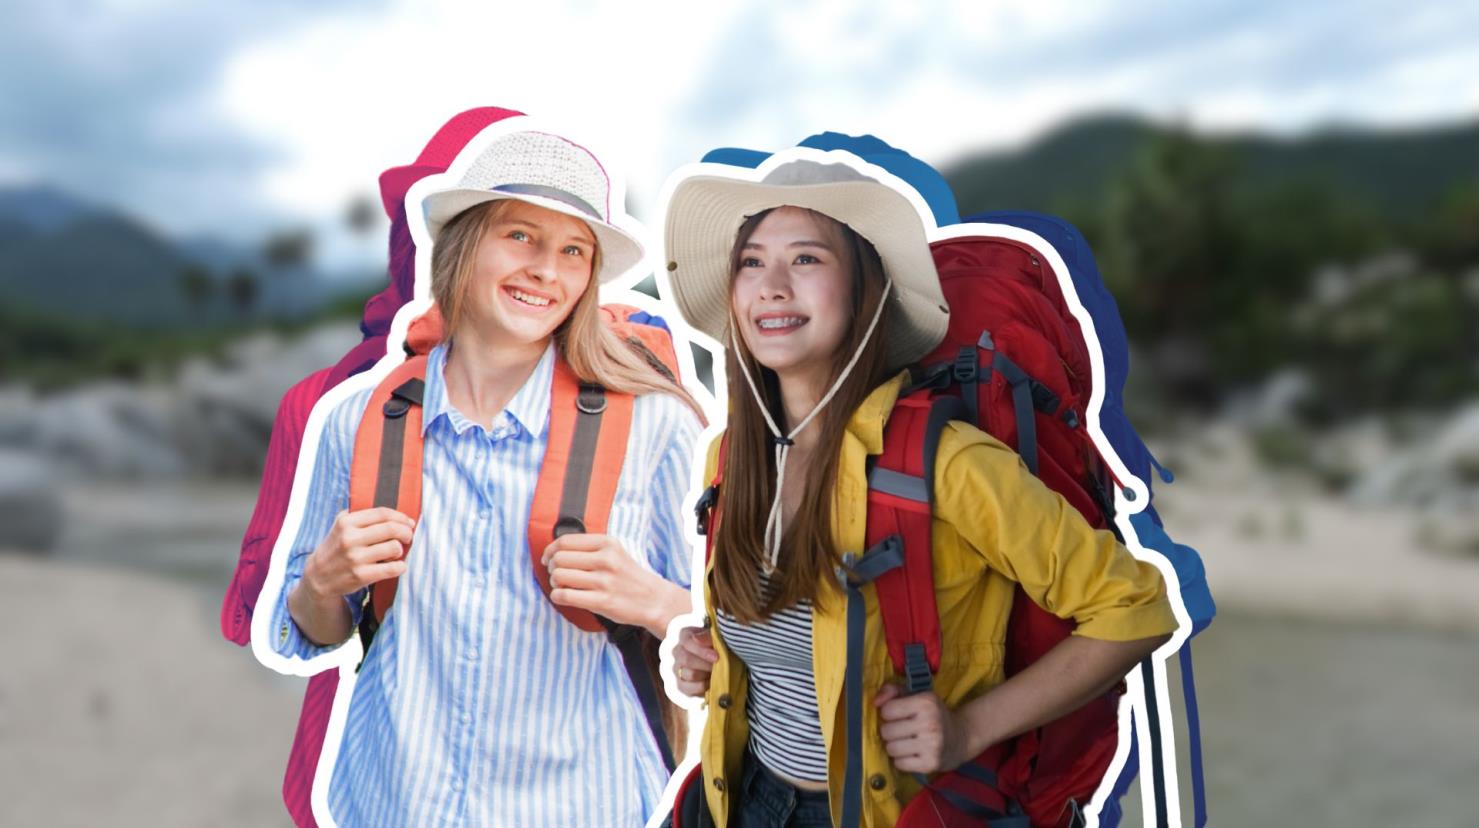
(724, 701)
(485, 514)
(467, 718)
(470, 655)
(877, 782)
(718, 784)
(456, 784)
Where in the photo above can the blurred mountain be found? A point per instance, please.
(61, 256)
(1401, 174)
(41, 208)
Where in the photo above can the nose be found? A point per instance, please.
(543, 263)
(775, 283)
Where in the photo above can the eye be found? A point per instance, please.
(574, 250)
(518, 235)
(750, 261)
(807, 258)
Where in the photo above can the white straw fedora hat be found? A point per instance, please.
(708, 202)
(547, 171)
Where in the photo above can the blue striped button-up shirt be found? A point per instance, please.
(479, 704)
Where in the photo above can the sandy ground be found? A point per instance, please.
(120, 704)
(1279, 550)
(1335, 691)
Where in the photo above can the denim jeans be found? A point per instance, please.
(767, 801)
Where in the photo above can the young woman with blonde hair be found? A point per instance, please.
(478, 702)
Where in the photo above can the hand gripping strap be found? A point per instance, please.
(900, 503)
(578, 420)
(386, 466)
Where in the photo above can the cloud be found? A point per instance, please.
(116, 102)
(258, 114)
(946, 78)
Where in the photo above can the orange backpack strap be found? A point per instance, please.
(386, 467)
(587, 442)
(588, 428)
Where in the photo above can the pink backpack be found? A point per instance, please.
(287, 439)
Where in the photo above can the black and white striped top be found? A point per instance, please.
(785, 732)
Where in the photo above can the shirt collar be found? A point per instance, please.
(529, 407)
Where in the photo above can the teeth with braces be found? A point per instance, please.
(529, 300)
(781, 322)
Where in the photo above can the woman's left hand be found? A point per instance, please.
(594, 572)
(919, 732)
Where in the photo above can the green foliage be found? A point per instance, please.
(243, 289)
(49, 351)
(1222, 253)
(1449, 238)
(290, 248)
(197, 285)
(1390, 337)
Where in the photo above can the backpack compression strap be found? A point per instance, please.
(900, 564)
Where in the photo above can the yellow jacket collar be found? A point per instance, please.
(868, 420)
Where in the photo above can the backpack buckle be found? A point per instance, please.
(704, 507)
(917, 676)
(569, 525)
(591, 399)
(966, 365)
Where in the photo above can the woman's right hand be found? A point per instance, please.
(361, 548)
(693, 659)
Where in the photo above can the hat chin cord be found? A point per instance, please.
(773, 529)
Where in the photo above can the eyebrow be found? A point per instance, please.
(586, 237)
(802, 243)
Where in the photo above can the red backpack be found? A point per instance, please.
(587, 442)
(1014, 363)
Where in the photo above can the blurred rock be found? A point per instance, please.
(1342, 456)
(214, 418)
(1439, 473)
(1275, 402)
(112, 430)
(30, 504)
(17, 416)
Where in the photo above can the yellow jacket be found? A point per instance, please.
(995, 526)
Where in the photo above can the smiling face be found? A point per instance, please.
(792, 293)
(528, 270)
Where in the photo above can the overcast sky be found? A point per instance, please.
(236, 118)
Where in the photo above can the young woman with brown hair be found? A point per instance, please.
(815, 270)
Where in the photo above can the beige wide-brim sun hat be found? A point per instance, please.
(547, 171)
(708, 202)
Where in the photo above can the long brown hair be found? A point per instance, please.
(591, 349)
(808, 548)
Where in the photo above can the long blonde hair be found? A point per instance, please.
(592, 350)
